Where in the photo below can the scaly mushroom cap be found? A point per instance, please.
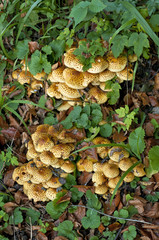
(71, 61)
(64, 106)
(42, 142)
(110, 170)
(57, 164)
(42, 174)
(32, 152)
(126, 74)
(101, 189)
(117, 153)
(72, 102)
(129, 177)
(37, 193)
(98, 66)
(53, 182)
(97, 167)
(139, 170)
(15, 74)
(67, 91)
(85, 165)
(101, 140)
(23, 67)
(62, 150)
(48, 158)
(26, 186)
(106, 75)
(132, 58)
(125, 164)
(24, 77)
(51, 193)
(31, 167)
(43, 128)
(15, 176)
(40, 76)
(113, 182)
(66, 137)
(98, 178)
(102, 86)
(39, 163)
(134, 160)
(57, 75)
(23, 174)
(97, 94)
(53, 91)
(116, 64)
(68, 167)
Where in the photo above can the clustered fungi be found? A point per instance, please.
(48, 161)
(107, 174)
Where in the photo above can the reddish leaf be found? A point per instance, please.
(149, 129)
(9, 206)
(63, 216)
(84, 189)
(3, 123)
(33, 46)
(153, 101)
(119, 137)
(91, 152)
(65, 198)
(20, 197)
(10, 133)
(139, 203)
(8, 181)
(41, 236)
(78, 134)
(154, 116)
(114, 226)
(154, 211)
(156, 86)
(101, 228)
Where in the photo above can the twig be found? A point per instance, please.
(31, 229)
(126, 219)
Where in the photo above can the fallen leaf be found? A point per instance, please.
(101, 228)
(139, 203)
(119, 137)
(153, 101)
(11, 133)
(65, 198)
(153, 212)
(114, 226)
(149, 128)
(154, 116)
(91, 152)
(33, 46)
(55, 66)
(19, 197)
(84, 189)
(143, 97)
(15, 93)
(60, 238)
(8, 181)
(41, 236)
(9, 206)
(156, 86)
(14, 123)
(80, 212)
(84, 178)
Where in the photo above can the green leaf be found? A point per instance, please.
(50, 119)
(47, 49)
(105, 220)
(76, 194)
(96, 6)
(32, 215)
(58, 46)
(106, 130)
(139, 42)
(114, 94)
(42, 101)
(79, 11)
(70, 181)
(66, 229)
(92, 200)
(16, 218)
(92, 220)
(22, 49)
(119, 42)
(96, 116)
(3, 238)
(153, 161)
(130, 234)
(82, 122)
(122, 213)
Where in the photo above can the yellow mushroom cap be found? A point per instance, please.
(36, 85)
(68, 167)
(116, 64)
(98, 178)
(53, 91)
(101, 189)
(132, 58)
(37, 193)
(16, 173)
(15, 74)
(139, 170)
(24, 77)
(106, 75)
(98, 94)
(23, 67)
(39, 163)
(42, 174)
(85, 165)
(126, 74)
(42, 128)
(53, 182)
(103, 87)
(129, 177)
(117, 153)
(99, 65)
(48, 158)
(40, 76)
(110, 170)
(31, 167)
(97, 167)
(125, 164)
(57, 164)
(64, 106)
(67, 91)
(51, 193)
(54, 131)
(113, 182)
(42, 142)
(26, 186)
(57, 75)
(71, 61)
(62, 150)
(101, 140)
(23, 174)
(32, 152)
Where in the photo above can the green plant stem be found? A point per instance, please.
(134, 73)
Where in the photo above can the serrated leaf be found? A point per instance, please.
(66, 229)
(16, 218)
(119, 42)
(92, 200)
(79, 11)
(139, 42)
(47, 49)
(70, 181)
(153, 161)
(114, 94)
(96, 6)
(106, 130)
(58, 46)
(32, 215)
(92, 220)
(50, 119)
(136, 141)
(22, 49)
(76, 194)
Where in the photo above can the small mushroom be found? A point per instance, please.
(24, 77)
(67, 91)
(116, 64)
(125, 164)
(68, 166)
(54, 182)
(113, 182)
(42, 174)
(98, 178)
(129, 177)
(139, 170)
(53, 91)
(42, 142)
(126, 74)
(62, 150)
(85, 165)
(99, 65)
(98, 95)
(110, 170)
(57, 75)
(106, 76)
(37, 193)
(117, 153)
(51, 193)
(101, 189)
(71, 61)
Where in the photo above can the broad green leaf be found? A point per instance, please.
(153, 156)
(119, 42)
(32, 215)
(47, 49)
(76, 194)
(66, 229)
(16, 218)
(70, 181)
(92, 200)
(22, 49)
(92, 220)
(106, 130)
(79, 11)
(96, 6)
(139, 42)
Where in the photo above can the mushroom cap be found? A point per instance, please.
(125, 164)
(129, 177)
(110, 170)
(23, 174)
(106, 75)
(53, 91)
(32, 152)
(15, 74)
(68, 136)
(97, 167)
(132, 58)
(62, 150)
(54, 182)
(98, 178)
(57, 164)
(16, 173)
(24, 77)
(67, 91)
(36, 85)
(42, 142)
(134, 160)
(57, 75)
(117, 153)
(98, 66)
(37, 193)
(38, 162)
(48, 158)
(40, 76)
(55, 130)
(31, 167)
(116, 64)
(64, 106)
(26, 186)
(97, 94)
(101, 189)
(71, 61)
(101, 140)
(85, 165)
(42, 128)
(23, 67)
(51, 193)
(102, 87)
(139, 170)
(42, 174)
(113, 182)
(68, 166)
(72, 102)
(126, 74)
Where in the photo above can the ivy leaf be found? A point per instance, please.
(33, 215)
(138, 41)
(153, 161)
(96, 6)
(92, 220)
(136, 141)
(79, 11)
(119, 42)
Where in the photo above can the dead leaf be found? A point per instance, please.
(3, 123)
(101, 228)
(9, 206)
(65, 198)
(41, 236)
(78, 134)
(153, 101)
(15, 93)
(128, 99)
(149, 128)
(60, 238)
(114, 226)
(80, 212)
(143, 97)
(84, 178)
(11, 133)
(8, 181)
(119, 137)
(139, 203)
(33, 46)
(55, 66)
(156, 86)
(91, 152)
(154, 116)
(19, 197)
(153, 212)
(84, 189)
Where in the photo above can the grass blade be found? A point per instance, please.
(142, 21)
(134, 73)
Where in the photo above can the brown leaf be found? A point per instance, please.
(145, 238)
(139, 203)
(3, 123)
(33, 46)
(119, 137)
(101, 228)
(154, 211)
(20, 197)
(154, 116)
(84, 178)
(11, 133)
(91, 152)
(149, 128)
(41, 236)
(84, 189)
(55, 66)
(156, 86)
(2, 140)
(15, 93)
(151, 226)
(80, 212)
(144, 98)
(9, 206)
(14, 123)
(65, 198)
(78, 134)
(114, 226)
(128, 99)
(153, 101)
(8, 181)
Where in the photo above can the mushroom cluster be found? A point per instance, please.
(107, 174)
(68, 81)
(48, 161)
(23, 76)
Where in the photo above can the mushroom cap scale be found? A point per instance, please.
(85, 165)
(126, 74)
(101, 189)
(129, 177)
(48, 158)
(24, 77)
(71, 61)
(37, 193)
(113, 182)
(40, 76)
(68, 166)
(67, 91)
(116, 64)
(98, 66)
(139, 170)
(106, 76)
(51, 193)
(53, 91)
(62, 150)
(42, 174)
(42, 142)
(53, 182)
(98, 178)
(57, 75)
(125, 164)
